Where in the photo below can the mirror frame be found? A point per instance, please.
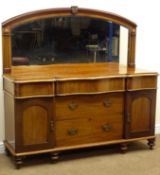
(75, 11)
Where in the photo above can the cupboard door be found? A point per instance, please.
(34, 124)
(140, 113)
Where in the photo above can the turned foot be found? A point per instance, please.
(18, 162)
(7, 152)
(54, 157)
(151, 143)
(124, 147)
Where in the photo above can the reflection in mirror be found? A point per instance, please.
(69, 39)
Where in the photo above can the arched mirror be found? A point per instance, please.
(62, 36)
(69, 39)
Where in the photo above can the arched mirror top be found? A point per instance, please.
(98, 36)
(40, 14)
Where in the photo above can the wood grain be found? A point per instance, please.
(146, 82)
(83, 130)
(90, 86)
(89, 105)
(140, 113)
(6, 49)
(89, 130)
(131, 47)
(8, 86)
(109, 127)
(35, 125)
(64, 148)
(61, 72)
(33, 120)
(68, 11)
(34, 89)
(9, 111)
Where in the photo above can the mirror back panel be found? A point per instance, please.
(65, 36)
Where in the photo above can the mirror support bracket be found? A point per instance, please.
(132, 47)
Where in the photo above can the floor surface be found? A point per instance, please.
(108, 160)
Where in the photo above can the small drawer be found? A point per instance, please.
(144, 82)
(79, 106)
(90, 86)
(34, 89)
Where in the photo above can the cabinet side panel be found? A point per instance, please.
(9, 119)
(8, 86)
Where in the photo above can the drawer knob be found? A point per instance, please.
(72, 131)
(72, 106)
(107, 103)
(106, 127)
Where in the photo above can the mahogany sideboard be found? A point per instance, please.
(54, 107)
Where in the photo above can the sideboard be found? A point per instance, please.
(63, 102)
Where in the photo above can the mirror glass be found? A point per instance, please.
(69, 39)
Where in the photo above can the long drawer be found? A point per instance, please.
(89, 130)
(90, 86)
(79, 106)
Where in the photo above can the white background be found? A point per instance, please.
(145, 13)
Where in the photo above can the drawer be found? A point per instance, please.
(89, 130)
(72, 132)
(90, 86)
(79, 106)
(107, 128)
(34, 89)
(144, 82)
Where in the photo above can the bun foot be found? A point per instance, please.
(151, 143)
(7, 152)
(54, 157)
(18, 162)
(124, 147)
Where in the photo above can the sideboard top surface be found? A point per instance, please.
(72, 72)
